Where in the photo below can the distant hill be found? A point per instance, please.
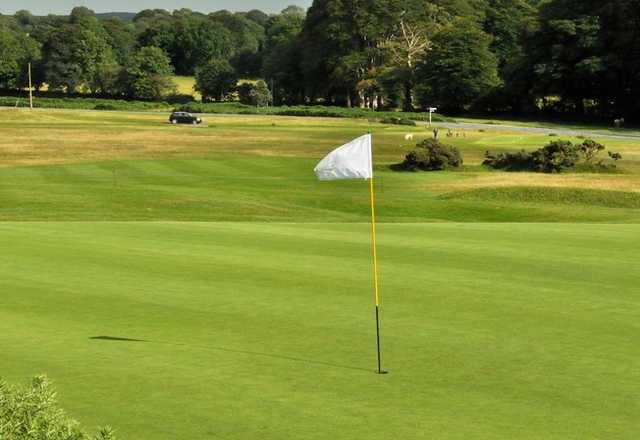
(126, 16)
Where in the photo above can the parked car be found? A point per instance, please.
(184, 118)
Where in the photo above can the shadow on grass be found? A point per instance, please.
(230, 350)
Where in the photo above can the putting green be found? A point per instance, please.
(250, 330)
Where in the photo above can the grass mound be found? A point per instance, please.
(568, 196)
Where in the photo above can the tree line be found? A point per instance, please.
(574, 57)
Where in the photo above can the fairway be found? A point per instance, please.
(198, 283)
(266, 331)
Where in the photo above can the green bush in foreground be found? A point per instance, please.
(555, 157)
(431, 155)
(32, 413)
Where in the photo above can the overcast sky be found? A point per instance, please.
(43, 7)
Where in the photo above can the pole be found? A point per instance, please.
(30, 89)
(374, 255)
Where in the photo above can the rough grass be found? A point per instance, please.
(544, 195)
(186, 86)
(57, 165)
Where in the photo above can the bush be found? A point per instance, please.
(590, 150)
(256, 95)
(87, 103)
(398, 121)
(553, 158)
(179, 98)
(519, 161)
(33, 413)
(108, 107)
(431, 155)
(260, 95)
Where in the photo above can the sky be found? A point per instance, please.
(44, 7)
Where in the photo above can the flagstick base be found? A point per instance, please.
(380, 370)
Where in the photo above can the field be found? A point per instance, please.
(198, 282)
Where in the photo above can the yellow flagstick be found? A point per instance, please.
(374, 256)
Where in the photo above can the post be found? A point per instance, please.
(374, 255)
(30, 89)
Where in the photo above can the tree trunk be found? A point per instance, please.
(408, 97)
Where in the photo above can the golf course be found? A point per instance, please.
(199, 282)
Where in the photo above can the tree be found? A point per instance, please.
(147, 75)
(260, 95)
(409, 44)
(73, 56)
(216, 79)
(282, 57)
(258, 16)
(340, 42)
(460, 68)
(16, 51)
(121, 37)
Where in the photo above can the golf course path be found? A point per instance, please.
(535, 130)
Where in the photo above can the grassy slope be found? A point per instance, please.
(264, 330)
(274, 338)
(95, 166)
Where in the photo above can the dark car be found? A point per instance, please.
(184, 118)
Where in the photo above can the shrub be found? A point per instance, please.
(432, 155)
(555, 157)
(398, 121)
(179, 98)
(590, 150)
(257, 95)
(33, 413)
(108, 107)
(519, 161)
(260, 95)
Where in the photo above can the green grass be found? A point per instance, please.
(266, 331)
(198, 282)
(186, 86)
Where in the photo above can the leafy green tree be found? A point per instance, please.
(460, 68)
(73, 56)
(16, 51)
(282, 56)
(121, 37)
(260, 95)
(189, 38)
(410, 43)
(148, 75)
(567, 55)
(258, 16)
(33, 412)
(340, 43)
(216, 79)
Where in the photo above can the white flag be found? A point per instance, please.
(351, 161)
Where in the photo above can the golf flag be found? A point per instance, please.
(355, 161)
(350, 161)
